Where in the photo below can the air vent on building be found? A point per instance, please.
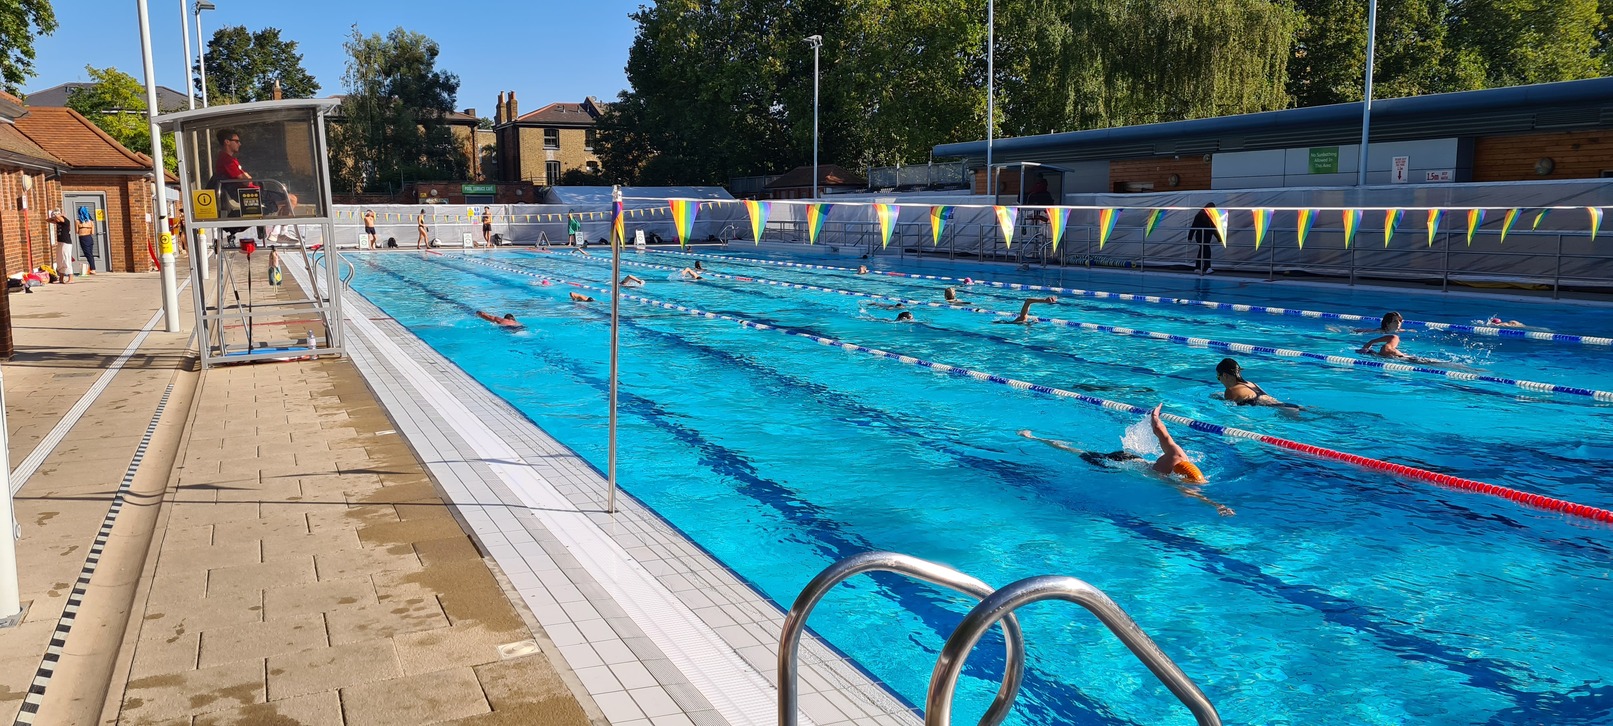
(1198, 146)
(1560, 117)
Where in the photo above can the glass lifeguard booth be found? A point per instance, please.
(255, 182)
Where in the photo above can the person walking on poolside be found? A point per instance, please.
(64, 243)
(1173, 464)
(420, 224)
(1203, 232)
(1025, 310)
(487, 226)
(86, 239)
(369, 227)
(508, 321)
(1241, 391)
(951, 296)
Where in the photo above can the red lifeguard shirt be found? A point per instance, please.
(229, 167)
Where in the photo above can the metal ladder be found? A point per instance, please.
(995, 608)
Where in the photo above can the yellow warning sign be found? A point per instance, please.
(100, 215)
(204, 204)
(165, 244)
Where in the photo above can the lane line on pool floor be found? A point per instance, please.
(1242, 348)
(1453, 482)
(1485, 330)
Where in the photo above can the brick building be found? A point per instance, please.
(97, 172)
(26, 170)
(541, 146)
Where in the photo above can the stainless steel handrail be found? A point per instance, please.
(1001, 604)
(795, 624)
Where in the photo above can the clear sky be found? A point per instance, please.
(544, 50)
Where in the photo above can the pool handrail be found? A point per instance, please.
(1001, 605)
(918, 569)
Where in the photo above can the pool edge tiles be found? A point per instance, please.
(703, 634)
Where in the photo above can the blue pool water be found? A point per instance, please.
(1334, 596)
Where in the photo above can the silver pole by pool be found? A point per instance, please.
(991, 92)
(817, 43)
(159, 200)
(190, 81)
(1366, 98)
(615, 312)
(10, 586)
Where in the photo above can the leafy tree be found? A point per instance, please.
(242, 66)
(392, 118)
(1514, 42)
(116, 102)
(20, 22)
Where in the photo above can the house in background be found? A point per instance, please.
(26, 171)
(167, 98)
(541, 146)
(98, 173)
(797, 183)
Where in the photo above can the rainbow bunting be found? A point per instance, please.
(1434, 215)
(939, 216)
(1058, 219)
(1307, 217)
(758, 217)
(618, 225)
(1475, 220)
(1218, 217)
(1106, 224)
(1539, 218)
(887, 214)
(1507, 222)
(683, 214)
(1153, 222)
(1391, 220)
(1352, 222)
(816, 215)
(1006, 216)
(1262, 225)
(1596, 221)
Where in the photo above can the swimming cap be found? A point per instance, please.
(1189, 472)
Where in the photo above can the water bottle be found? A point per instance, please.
(311, 342)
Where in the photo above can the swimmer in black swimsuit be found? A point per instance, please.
(1240, 391)
(1173, 464)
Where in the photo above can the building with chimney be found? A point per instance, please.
(541, 146)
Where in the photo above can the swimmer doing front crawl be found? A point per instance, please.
(1025, 310)
(1173, 464)
(508, 321)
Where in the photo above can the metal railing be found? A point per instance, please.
(995, 608)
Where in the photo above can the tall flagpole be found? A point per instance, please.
(991, 91)
(616, 243)
(159, 201)
(1366, 98)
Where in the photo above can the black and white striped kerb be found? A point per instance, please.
(58, 639)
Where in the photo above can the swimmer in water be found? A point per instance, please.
(1241, 391)
(886, 306)
(579, 297)
(1390, 324)
(1025, 310)
(698, 267)
(689, 274)
(508, 321)
(1173, 464)
(862, 269)
(904, 317)
(951, 296)
(1499, 323)
(631, 281)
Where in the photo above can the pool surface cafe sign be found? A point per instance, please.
(1324, 160)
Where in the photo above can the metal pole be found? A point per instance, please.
(10, 586)
(991, 88)
(615, 316)
(1366, 99)
(159, 212)
(817, 43)
(201, 53)
(184, 22)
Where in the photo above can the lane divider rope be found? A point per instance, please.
(1242, 348)
(1234, 307)
(1445, 480)
(75, 599)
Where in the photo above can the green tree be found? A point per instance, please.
(1512, 42)
(20, 22)
(116, 102)
(392, 119)
(242, 67)
(1413, 54)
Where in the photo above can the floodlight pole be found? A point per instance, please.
(190, 82)
(615, 313)
(159, 212)
(1366, 97)
(201, 49)
(991, 93)
(817, 43)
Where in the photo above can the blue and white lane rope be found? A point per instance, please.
(1234, 307)
(1454, 482)
(1242, 348)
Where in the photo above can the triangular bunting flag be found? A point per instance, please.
(1153, 222)
(1596, 221)
(1434, 216)
(1218, 217)
(1307, 217)
(1058, 220)
(1539, 218)
(887, 215)
(1006, 217)
(939, 216)
(1262, 218)
(816, 214)
(758, 217)
(618, 225)
(1391, 220)
(1507, 222)
(683, 214)
(1352, 222)
(1106, 224)
(1475, 220)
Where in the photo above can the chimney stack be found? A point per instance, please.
(514, 109)
(498, 110)
(276, 94)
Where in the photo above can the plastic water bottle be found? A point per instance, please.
(311, 342)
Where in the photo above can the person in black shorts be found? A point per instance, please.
(369, 226)
(487, 226)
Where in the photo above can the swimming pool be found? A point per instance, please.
(1334, 596)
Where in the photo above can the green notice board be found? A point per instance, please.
(478, 189)
(1325, 160)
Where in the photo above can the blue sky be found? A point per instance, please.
(544, 50)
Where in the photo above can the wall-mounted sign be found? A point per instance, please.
(251, 203)
(203, 204)
(478, 189)
(1440, 175)
(1324, 160)
(1400, 170)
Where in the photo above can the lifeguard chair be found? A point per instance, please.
(256, 177)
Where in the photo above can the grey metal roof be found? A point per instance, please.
(167, 98)
(1495, 110)
(168, 120)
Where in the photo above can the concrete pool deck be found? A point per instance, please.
(341, 541)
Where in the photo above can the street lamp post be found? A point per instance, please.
(817, 43)
(184, 22)
(991, 96)
(201, 49)
(1366, 98)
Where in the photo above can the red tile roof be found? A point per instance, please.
(14, 143)
(559, 113)
(73, 139)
